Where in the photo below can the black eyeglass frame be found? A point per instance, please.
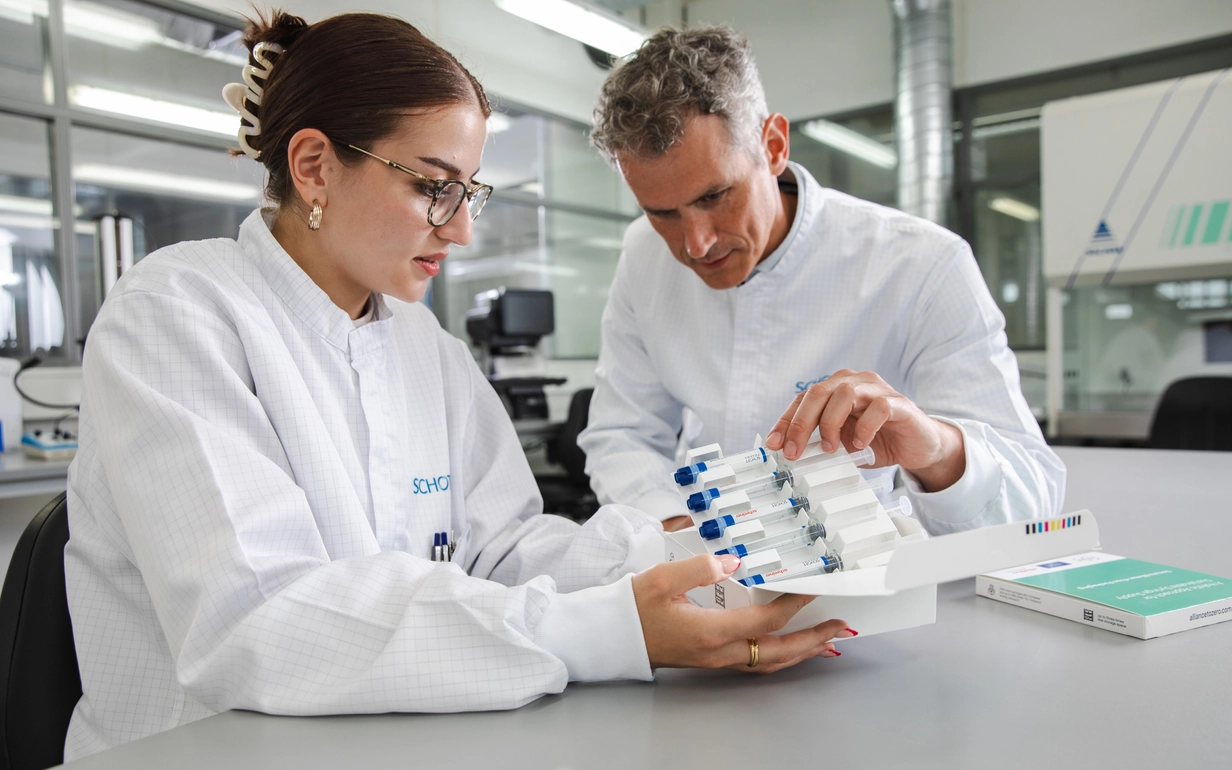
(438, 186)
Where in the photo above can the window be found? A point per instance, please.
(555, 222)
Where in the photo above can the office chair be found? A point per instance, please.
(571, 495)
(39, 681)
(1194, 413)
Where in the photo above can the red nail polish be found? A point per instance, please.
(854, 632)
(837, 654)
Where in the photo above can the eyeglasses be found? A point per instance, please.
(447, 194)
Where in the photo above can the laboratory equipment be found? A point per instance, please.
(701, 501)
(689, 473)
(507, 325)
(782, 510)
(807, 533)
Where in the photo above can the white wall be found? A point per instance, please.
(825, 56)
(513, 58)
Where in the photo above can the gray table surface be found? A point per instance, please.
(988, 686)
(21, 476)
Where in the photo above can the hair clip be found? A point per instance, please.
(236, 93)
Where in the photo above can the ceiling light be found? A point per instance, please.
(1012, 207)
(593, 26)
(155, 181)
(851, 142)
(157, 110)
(20, 205)
(104, 25)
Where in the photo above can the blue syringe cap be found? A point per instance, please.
(724, 552)
(711, 530)
(700, 501)
(686, 475)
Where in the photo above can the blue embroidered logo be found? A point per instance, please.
(803, 386)
(426, 486)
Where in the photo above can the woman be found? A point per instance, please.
(273, 432)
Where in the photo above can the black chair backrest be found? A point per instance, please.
(39, 682)
(568, 453)
(1194, 413)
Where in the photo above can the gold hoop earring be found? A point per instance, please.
(314, 218)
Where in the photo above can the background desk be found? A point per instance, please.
(987, 686)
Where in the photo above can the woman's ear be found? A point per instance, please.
(312, 164)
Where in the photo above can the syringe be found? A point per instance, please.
(700, 501)
(781, 510)
(689, 473)
(821, 564)
(806, 535)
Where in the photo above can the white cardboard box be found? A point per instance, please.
(903, 593)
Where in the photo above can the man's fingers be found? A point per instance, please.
(876, 414)
(779, 432)
(838, 409)
(804, 420)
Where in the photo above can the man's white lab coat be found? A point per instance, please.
(854, 285)
(253, 506)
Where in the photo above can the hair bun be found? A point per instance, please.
(281, 28)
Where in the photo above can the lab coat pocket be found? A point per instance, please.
(463, 550)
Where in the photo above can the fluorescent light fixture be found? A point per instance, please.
(1012, 207)
(851, 142)
(20, 205)
(156, 110)
(593, 26)
(105, 25)
(498, 122)
(159, 182)
(1120, 312)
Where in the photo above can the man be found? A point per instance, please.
(747, 288)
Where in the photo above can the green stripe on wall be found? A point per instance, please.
(1192, 229)
(1214, 223)
(1180, 216)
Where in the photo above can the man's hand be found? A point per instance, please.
(680, 634)
(858, 409)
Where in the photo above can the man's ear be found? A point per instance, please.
(776, 142)
(311, 162)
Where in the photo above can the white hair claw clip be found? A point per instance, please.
(236, 93)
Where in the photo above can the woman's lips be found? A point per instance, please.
(430, 264)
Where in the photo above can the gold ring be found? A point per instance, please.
(752, 653)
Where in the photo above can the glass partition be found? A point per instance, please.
(171, 193)
(31, 280)
(23, 45)
(150, 64)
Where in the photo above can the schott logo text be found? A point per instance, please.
(425, 486)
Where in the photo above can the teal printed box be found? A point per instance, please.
(1126, 596)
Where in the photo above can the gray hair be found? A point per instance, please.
(676, 74)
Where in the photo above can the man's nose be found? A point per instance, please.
(699, 236)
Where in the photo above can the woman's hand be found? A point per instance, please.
(680, 634)
(859, 409)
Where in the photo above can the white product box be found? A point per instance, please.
(903, 592)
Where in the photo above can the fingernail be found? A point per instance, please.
(858, 444)
(854, 632)
(826, 446)
(831, 654)
(774, 438)
(846, 633)
(730, 563)
(790, 449)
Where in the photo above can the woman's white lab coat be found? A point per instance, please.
(254, 501)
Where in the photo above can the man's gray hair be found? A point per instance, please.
(675, 75)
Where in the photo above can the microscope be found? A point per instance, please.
(507, 325)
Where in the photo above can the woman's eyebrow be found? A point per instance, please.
(447, 167)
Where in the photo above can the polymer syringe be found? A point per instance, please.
(689, 473)
(767, 482)
(821, 564)
(781, 510)
(806, 535)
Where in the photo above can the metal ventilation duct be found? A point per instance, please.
(922, 113)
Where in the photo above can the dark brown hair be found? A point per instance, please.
(353, 77)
